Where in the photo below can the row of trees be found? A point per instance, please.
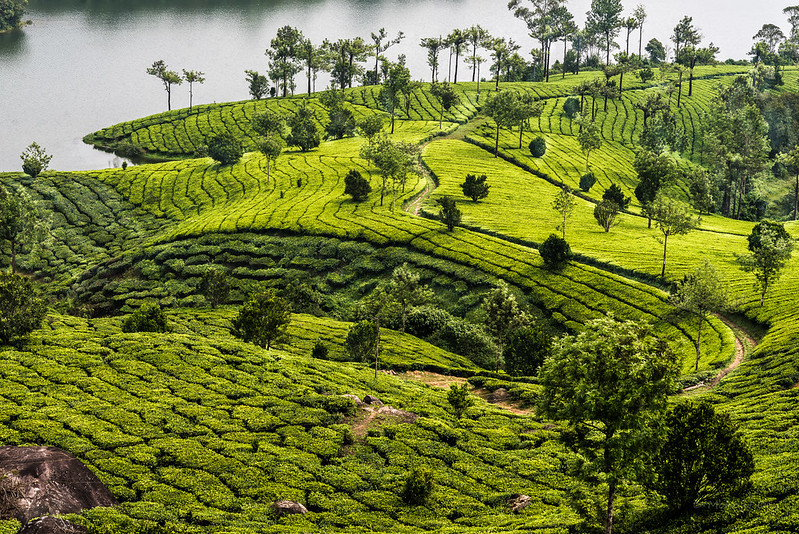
(170, 77)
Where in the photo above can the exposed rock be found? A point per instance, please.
(397, 414)
(355, 398)
(288, 507)
(499, 395)
(51, 525)
(50, 481)
(518, 503)
(371, 399)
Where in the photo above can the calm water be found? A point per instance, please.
(81, 65)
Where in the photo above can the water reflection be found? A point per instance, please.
(12, 42)
(120, 7)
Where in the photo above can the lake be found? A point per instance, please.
(81, 65)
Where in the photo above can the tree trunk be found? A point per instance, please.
(457, 57)
(403, 316)
(665, 241)
(679, 93)
(377, 345)
(191, 96)
(609, 513)
(699, 340)
(393, 193)
(796, 197)
(691, 81)
(565, 44)
(474, 57)
(521, 131)
(169, 98)
(392, 120)
(621, 83)
(640, 39)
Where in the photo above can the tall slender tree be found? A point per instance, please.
(284, 57)
(167, 77)
(640, 17)
(192, 77)
(476, 36)
(457, 42)
(604, 20)
(434, 46)
(379, 47)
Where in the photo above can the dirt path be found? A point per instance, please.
(460, 133)
(444, 381)
(744, 343)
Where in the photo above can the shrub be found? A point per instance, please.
(149, 318)
(606, 214)
(263, 319)
(225, 148)
(449, 213)
(418, 485)
(555, 252)
(587, 181)
(215, 286)
(34, 160)
(475, 187)
(424, 321)
(319, 350)
(356, 186)
(525, 351)
(361, 340)
(342, 124)
(571, 107)
(459, 399)
(538, 147)
(21, 310)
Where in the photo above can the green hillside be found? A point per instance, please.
(196, 430)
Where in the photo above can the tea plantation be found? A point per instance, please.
(196, 431)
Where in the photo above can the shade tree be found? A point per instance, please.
(21, 309)
(609, 384)
(449, 214)
(604, 21)
(381, 44)
(672, 218)
(475, 187)
(284, 57)
(263, 319)
(258, 84)
(191, 77)
(35, 160)
(770, 247)
(22, 226)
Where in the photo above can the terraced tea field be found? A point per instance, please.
(198, 431)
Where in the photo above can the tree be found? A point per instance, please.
(685, 34)
(356, 186)
(703, 457)
(654, 171)
(433, 45)
(379, 47)
(672, 218)
(476, 36)
(449, 213)
(606, 214)
(284, 54)
(770, 248)
(459, 399)
(271, 147)
(362, 340)
(191, 77)
(34, 160)
(538, 147)
(589, 137)
(370, 126)
(11, 13)
(475, 187)
(398, 78)
(303, 131)
(394, 160)
(263, 319)
(343, 57)
(691, 55)
(258, 84)
(21, 309)
(564, 203)
(610, 384)
(604, 20)
(640, 16)
(268, 123)
(701, 293)
(656, 51)
(215, 286)
(616, 195)
(167, 77)
(502, 107)
(771, 35)
(525, 351)
(313, 57)
(555, 252)
(503, 315)
(501, 50)
(791, 160)
(406, 289)
(547, 21)
(21, 224)
(446, 96)
(148, 318)
(225, 148)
